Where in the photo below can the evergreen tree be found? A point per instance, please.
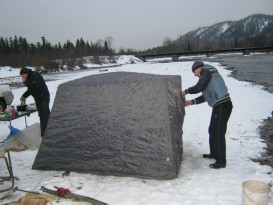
(189, 45)
(8, 49)
(23, 45)
(105, 48)
(78, 48)
(3, 48)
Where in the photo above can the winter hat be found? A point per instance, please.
(196, 65)
(24, 70)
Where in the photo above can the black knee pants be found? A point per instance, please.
(217, 130)
(44, 112)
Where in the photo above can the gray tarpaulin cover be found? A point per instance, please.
(125, 124)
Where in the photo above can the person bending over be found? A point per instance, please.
(215, 93)
(37, 87)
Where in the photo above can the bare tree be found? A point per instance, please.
(109, 40)
(121, 50)
(167, 41)
(100, 43)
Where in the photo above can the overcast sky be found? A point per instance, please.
(138, 24)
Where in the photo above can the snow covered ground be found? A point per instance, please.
(196, 183)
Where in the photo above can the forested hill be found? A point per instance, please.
(252, 31)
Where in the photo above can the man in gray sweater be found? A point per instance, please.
(215, 93)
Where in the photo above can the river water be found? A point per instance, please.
(256, 68)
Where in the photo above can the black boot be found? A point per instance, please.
(218, 165)
(209, 156)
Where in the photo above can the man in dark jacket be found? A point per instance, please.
(215, 92)
(38, 89)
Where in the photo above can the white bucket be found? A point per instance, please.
(256, 193)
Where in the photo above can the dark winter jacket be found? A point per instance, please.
(212, 86)
(36, 87)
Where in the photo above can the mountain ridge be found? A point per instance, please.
(252, 31)
(250, 27)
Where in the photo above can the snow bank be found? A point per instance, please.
(196, 183)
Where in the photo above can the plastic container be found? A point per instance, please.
(14, 113)
(256, 193)
(9, 109)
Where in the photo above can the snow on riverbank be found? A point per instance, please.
(197, 183)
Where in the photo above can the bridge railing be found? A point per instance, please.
(175, 56)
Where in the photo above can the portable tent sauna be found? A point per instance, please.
(125, 124)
